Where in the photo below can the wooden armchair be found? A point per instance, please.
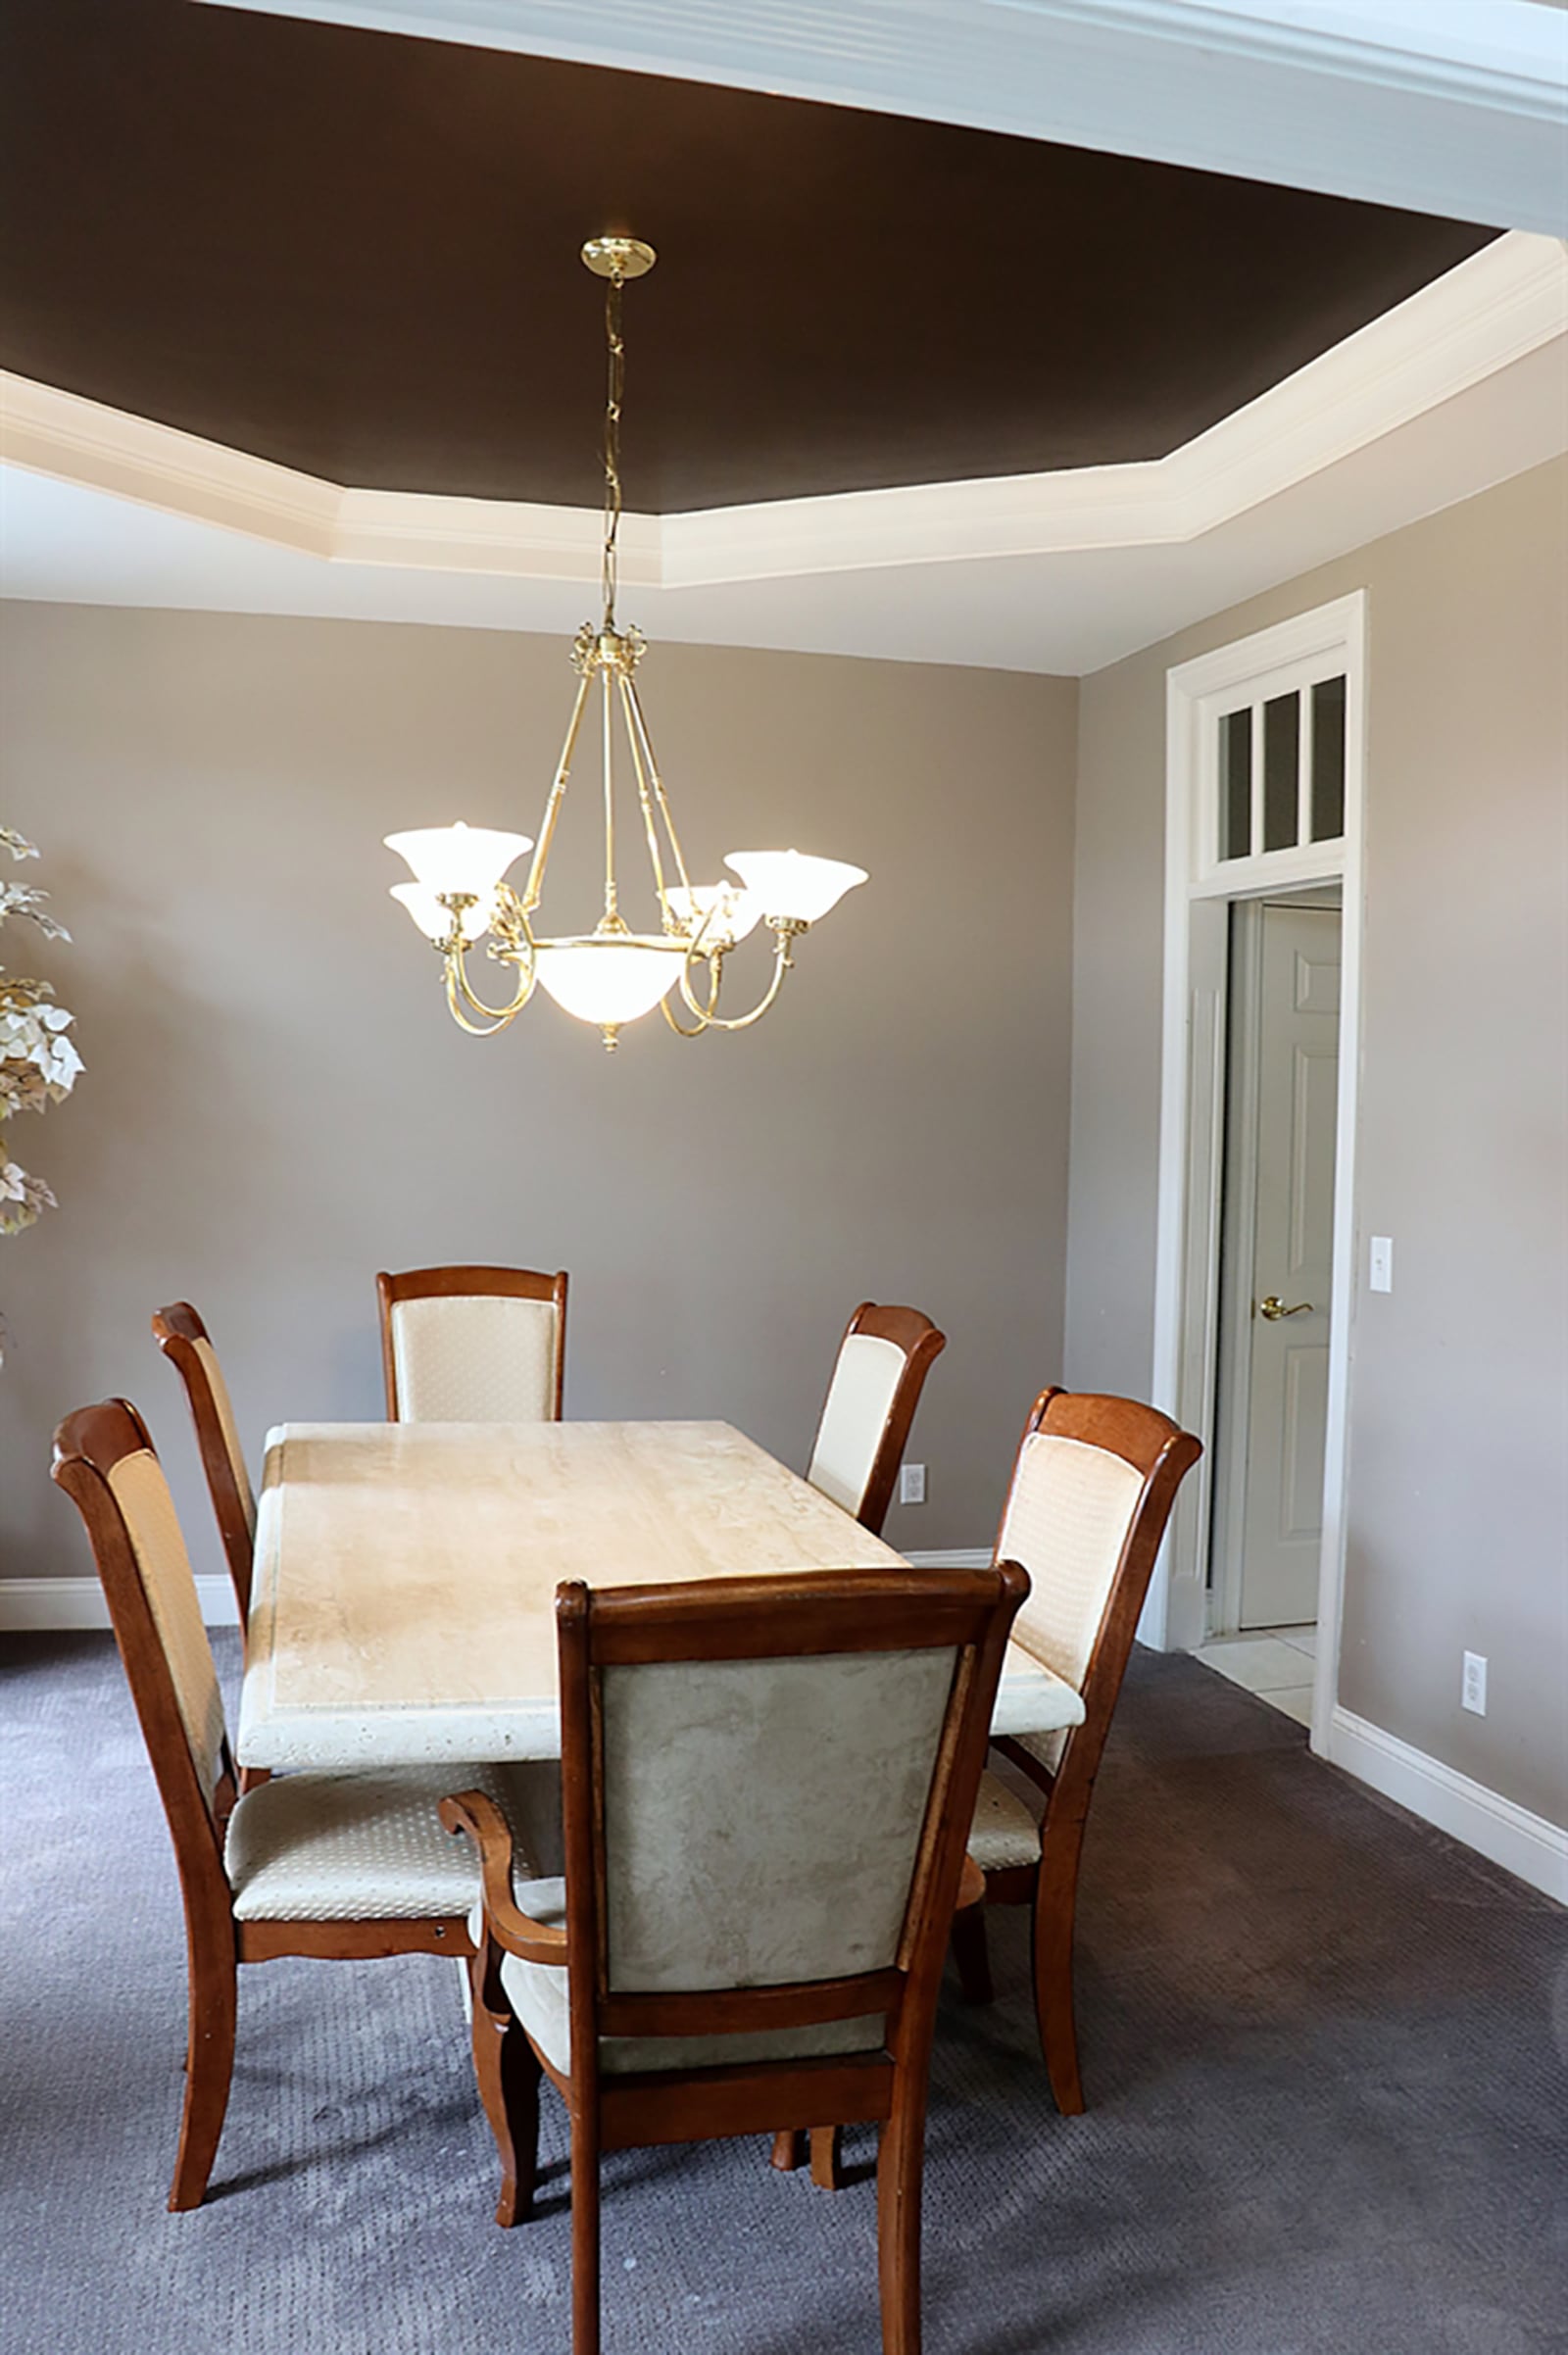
(1092, 1491)
(877, 1379)
(767, 1788)
(345, 1866)
(185, 1341)
(473, 1344)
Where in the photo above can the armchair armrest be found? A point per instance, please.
(470, 1811)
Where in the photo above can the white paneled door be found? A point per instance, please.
(1298, 1083)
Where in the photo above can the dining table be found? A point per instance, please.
(403, 1598)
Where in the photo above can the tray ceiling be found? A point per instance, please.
(355, 256)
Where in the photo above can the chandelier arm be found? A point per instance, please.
(547, 827)
(713, 958)
(783, 963)
(634, 704)
(460, 995)
(650, 828)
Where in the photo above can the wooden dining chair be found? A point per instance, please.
(473, 1344)
(185, 1342)
(345, 1866)
(877, 1379)
(767, 1788)
(1092, 1491)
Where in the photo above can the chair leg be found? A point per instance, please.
(827, 2153)
(209, 2064)
(1055, 1906)
(585, 2236)
(789, 2149)
(972, 1956)
(900, 2164)
(506, 2072)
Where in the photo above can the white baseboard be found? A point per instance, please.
(40, 1603)
(1510, 1835)
(956, 1557)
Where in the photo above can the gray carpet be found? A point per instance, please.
(1323, 2046)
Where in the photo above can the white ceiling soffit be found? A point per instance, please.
(1460, 386)
(1454, 107)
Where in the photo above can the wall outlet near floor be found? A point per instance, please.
(911, 1485)
(1473, 1688)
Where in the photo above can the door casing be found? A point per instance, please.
(1198, 898)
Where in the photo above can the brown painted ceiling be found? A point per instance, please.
(357, 254)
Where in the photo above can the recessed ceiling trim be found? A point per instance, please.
(1501, 304)
(1455, 109)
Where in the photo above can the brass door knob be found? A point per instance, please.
(1274, 1309)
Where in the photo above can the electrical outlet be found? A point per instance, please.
(911, 1485)
(1473, 1690)
(1380, 1268)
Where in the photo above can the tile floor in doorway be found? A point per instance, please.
(1274, 1662)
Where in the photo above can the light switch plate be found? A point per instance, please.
(1381, 1267)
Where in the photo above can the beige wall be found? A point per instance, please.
(276, 1104)
(1458, 1500)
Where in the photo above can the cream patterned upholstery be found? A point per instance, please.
(224, 1406)
(762, 1822)
(1066, 1522)
(477, 1358)
(1007, 1829)
(141, 1492)
(860, 1399)
(362, 1848)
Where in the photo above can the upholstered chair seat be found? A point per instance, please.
(343, 1847)
(1007, 1828)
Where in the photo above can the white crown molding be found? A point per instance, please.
(1501, 304)
(1453, 106)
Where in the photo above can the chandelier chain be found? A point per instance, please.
(616, 373)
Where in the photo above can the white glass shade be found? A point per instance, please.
(738, 915)
(784, 883)
(609, 981)
(434, 920)
(459, 858)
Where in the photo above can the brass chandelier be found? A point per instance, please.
(612, 975)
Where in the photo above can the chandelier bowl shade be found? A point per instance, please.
(609, 980)
(793, 887)
(459, 859)
(436, 921)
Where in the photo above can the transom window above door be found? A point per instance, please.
(1280, 772)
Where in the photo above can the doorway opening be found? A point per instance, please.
(1264, 799)
(1275, 1283)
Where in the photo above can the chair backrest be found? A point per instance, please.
(105, 1462)
(1092, 1491)
(878, 1376)
(767, 1784)
(185, 1341)
(473, 1344)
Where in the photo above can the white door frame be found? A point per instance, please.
(1198, 891)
